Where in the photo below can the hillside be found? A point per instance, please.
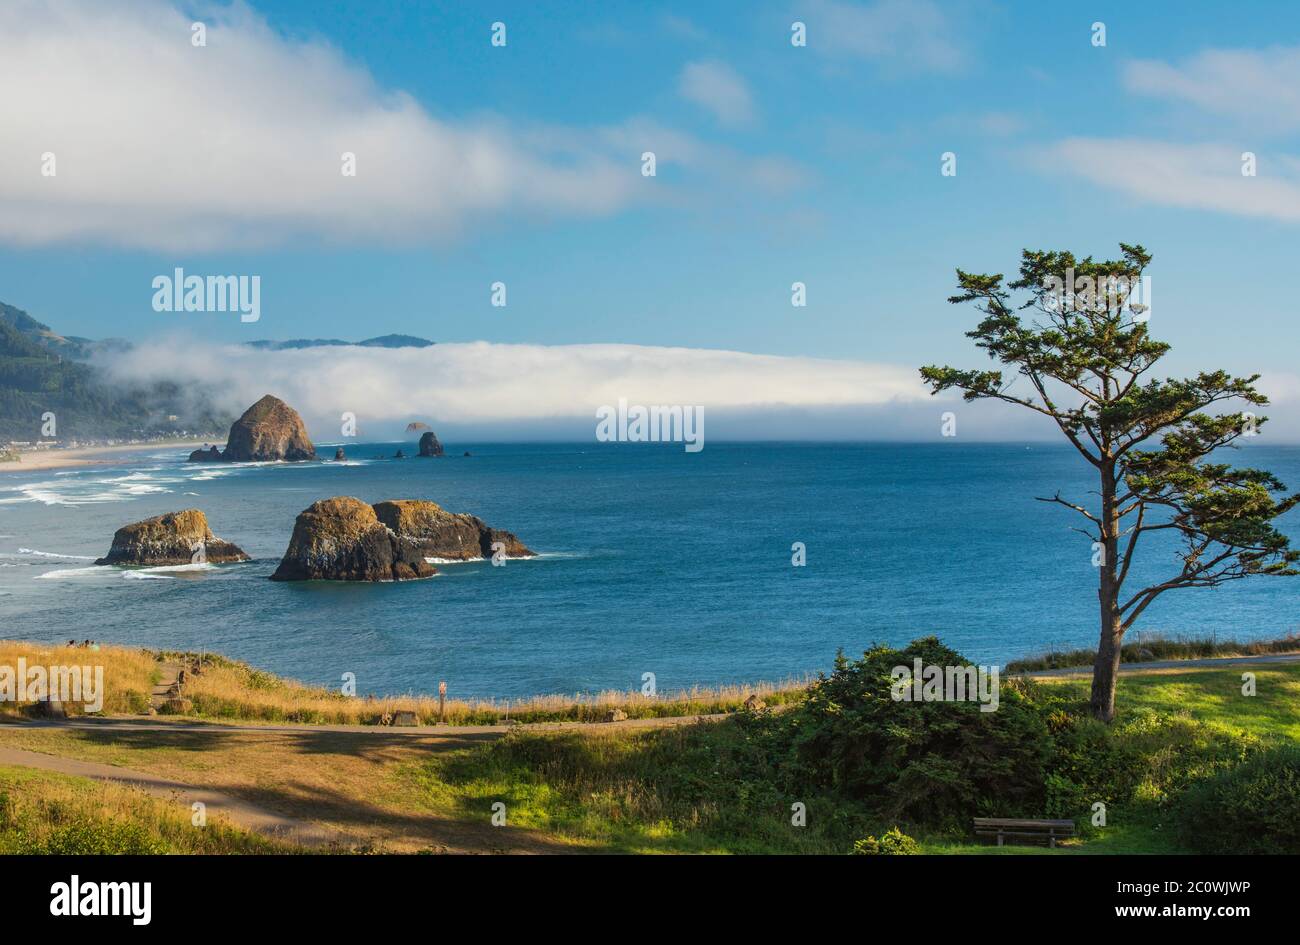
(383, 341)
(42, 371)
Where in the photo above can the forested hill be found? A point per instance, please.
(41, 371)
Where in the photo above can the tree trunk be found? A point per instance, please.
(1105, 671)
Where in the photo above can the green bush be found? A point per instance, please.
(1090, 762)
(892, 842)
(1252, 808)
(935, 763)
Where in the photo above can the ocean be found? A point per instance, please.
(652, 560)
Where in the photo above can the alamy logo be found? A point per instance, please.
(1090, 294)
(934, 683)
(77, 898)
(80, 684)
(181, 293)
(658, 424)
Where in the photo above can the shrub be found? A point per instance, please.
(892, 842)
(1252, 808)
(1090, 762)
(934, 763)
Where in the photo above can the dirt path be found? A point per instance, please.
(239, 812)
(168, 685)
(310, 784)
(140, 723)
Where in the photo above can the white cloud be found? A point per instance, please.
(481, 390)
(1257, 87)
(683, 27)
(1196, 176)
(724, 168)
(904, 34)
(480, 382)
(717, 87)
(1258, 91)
(163, 145)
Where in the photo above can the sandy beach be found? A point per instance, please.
(93, 455)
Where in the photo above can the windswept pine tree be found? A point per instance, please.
(1084, 359)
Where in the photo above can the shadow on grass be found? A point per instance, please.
(362, 820)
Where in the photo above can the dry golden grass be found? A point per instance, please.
(354, 783)
(227, 689)
(44, 812)
(129, 673)
(231, 690)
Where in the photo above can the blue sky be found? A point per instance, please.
(818, 164)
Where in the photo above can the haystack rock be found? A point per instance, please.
(175, 538)
(340, 539)
(270, 430)
(438, 533)
(429, 445)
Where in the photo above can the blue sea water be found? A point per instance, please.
(652, 560)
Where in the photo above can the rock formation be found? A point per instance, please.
(175, 538)
(269, 430)
(438, 533)
(339, 455)
(399, 455)
(429, 445)
(341, 539)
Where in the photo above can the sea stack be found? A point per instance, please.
(339, 455)
(269, 431)
(429, 445)
(341, 539)
(438, 533)
(174, 538)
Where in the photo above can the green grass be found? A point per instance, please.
(703, 789)
(43, 812)
(1152, 647)
(1141, 836)
(1210, 695)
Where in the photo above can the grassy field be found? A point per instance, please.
(684, 789)
(43, 812)
(1210, 695)
(704, 787)
(234, 691)
(1152, 647)
(230, 690)
(692, 789)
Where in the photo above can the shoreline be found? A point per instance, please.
(90, 455)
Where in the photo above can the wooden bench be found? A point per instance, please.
(1049, 830)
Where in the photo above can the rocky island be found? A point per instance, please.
(174, 538)
(341, 539)
(269, 431)
(429, 445)
(438, 533)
